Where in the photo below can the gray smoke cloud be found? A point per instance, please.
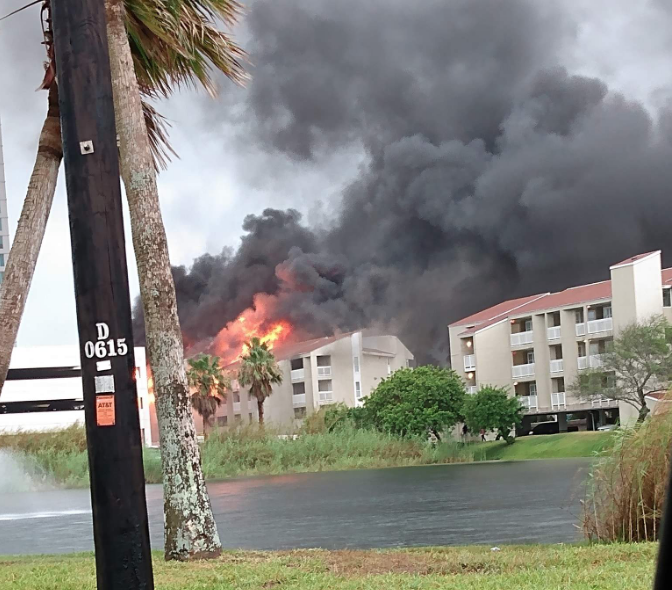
(490, 171)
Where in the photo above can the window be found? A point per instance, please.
(324, 361)
(606, 312)
(530, 356)
(2, 276)
(140, 404)
(2, 243)
(533, 389)
(582, 348)
(667, 300)
(236, 398)
(251, 417)
(2, 260)
(297, 364)
(142, 435)
(355, 362)
(222, 420)
(324, 385)
(299, 388)
(299, 413)
(358, 389)
(578, 316)
(528, 325)
(389, 367)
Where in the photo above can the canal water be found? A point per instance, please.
(480, 503)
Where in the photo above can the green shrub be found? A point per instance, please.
(627, 486)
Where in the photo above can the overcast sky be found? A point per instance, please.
(219, 179)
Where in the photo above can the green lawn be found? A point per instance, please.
(570, 567)
(546, 446)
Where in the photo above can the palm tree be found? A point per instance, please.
(155, 46)
(259, 371)
(210, 386)
(185, 40)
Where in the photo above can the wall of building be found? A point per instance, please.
(492, 349)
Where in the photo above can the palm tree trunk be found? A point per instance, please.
(190, 529)
(260, 408)
(30, 232)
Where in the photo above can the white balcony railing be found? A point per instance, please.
(299, 400)
(529, 402)
(298, 374)
(597, 326)
(472, 389)
(326, 397)
(236, 407)
(323, 372)
(558, 400)
(554, 333)
(603, 401)
(469, 362)
(557, 366)
(581, 329)
(595, 361)
(582, 362)
(522, 338)
(523, 370)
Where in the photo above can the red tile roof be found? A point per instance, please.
(572, 296)
(635, 258)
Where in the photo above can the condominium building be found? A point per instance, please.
(536, 346)
(4, 220)
(339, 369)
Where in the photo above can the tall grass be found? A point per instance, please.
(627, 485)
(61, 456)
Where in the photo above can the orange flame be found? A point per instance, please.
(230, 343)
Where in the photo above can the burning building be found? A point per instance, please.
(344, 368)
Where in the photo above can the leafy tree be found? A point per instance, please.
(491, 408)
(259, 371)
(638, 363)
(413, 402)
(210, 385)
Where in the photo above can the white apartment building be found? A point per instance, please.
(43, 391)
(4, 220)
(535, 346)
(339, 369)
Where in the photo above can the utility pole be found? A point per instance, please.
(121, 532)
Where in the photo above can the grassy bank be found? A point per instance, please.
(612, 567)
(60, 457)
(548, 446)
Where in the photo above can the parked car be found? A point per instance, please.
(606, 427)
(546, 428)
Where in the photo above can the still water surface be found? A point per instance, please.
(486, 503)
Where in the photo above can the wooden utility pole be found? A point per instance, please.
(121, 533)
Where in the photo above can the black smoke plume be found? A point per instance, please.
(490, 171)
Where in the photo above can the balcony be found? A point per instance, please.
(558, 400)
(554, 333)
(299, 400)
(298, 374)
(326, 397)
(236, 407)
(597, 326)
(472, 389)
(601, 402)
(323, 372)
(595, 361)
(470, 362)
(557, 366)
(523, 370)
(529, 402)
(581, 329)
(582, 362)
(521, 338)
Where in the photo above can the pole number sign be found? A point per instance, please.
(105, 346)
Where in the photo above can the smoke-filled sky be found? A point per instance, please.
(392, 164)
